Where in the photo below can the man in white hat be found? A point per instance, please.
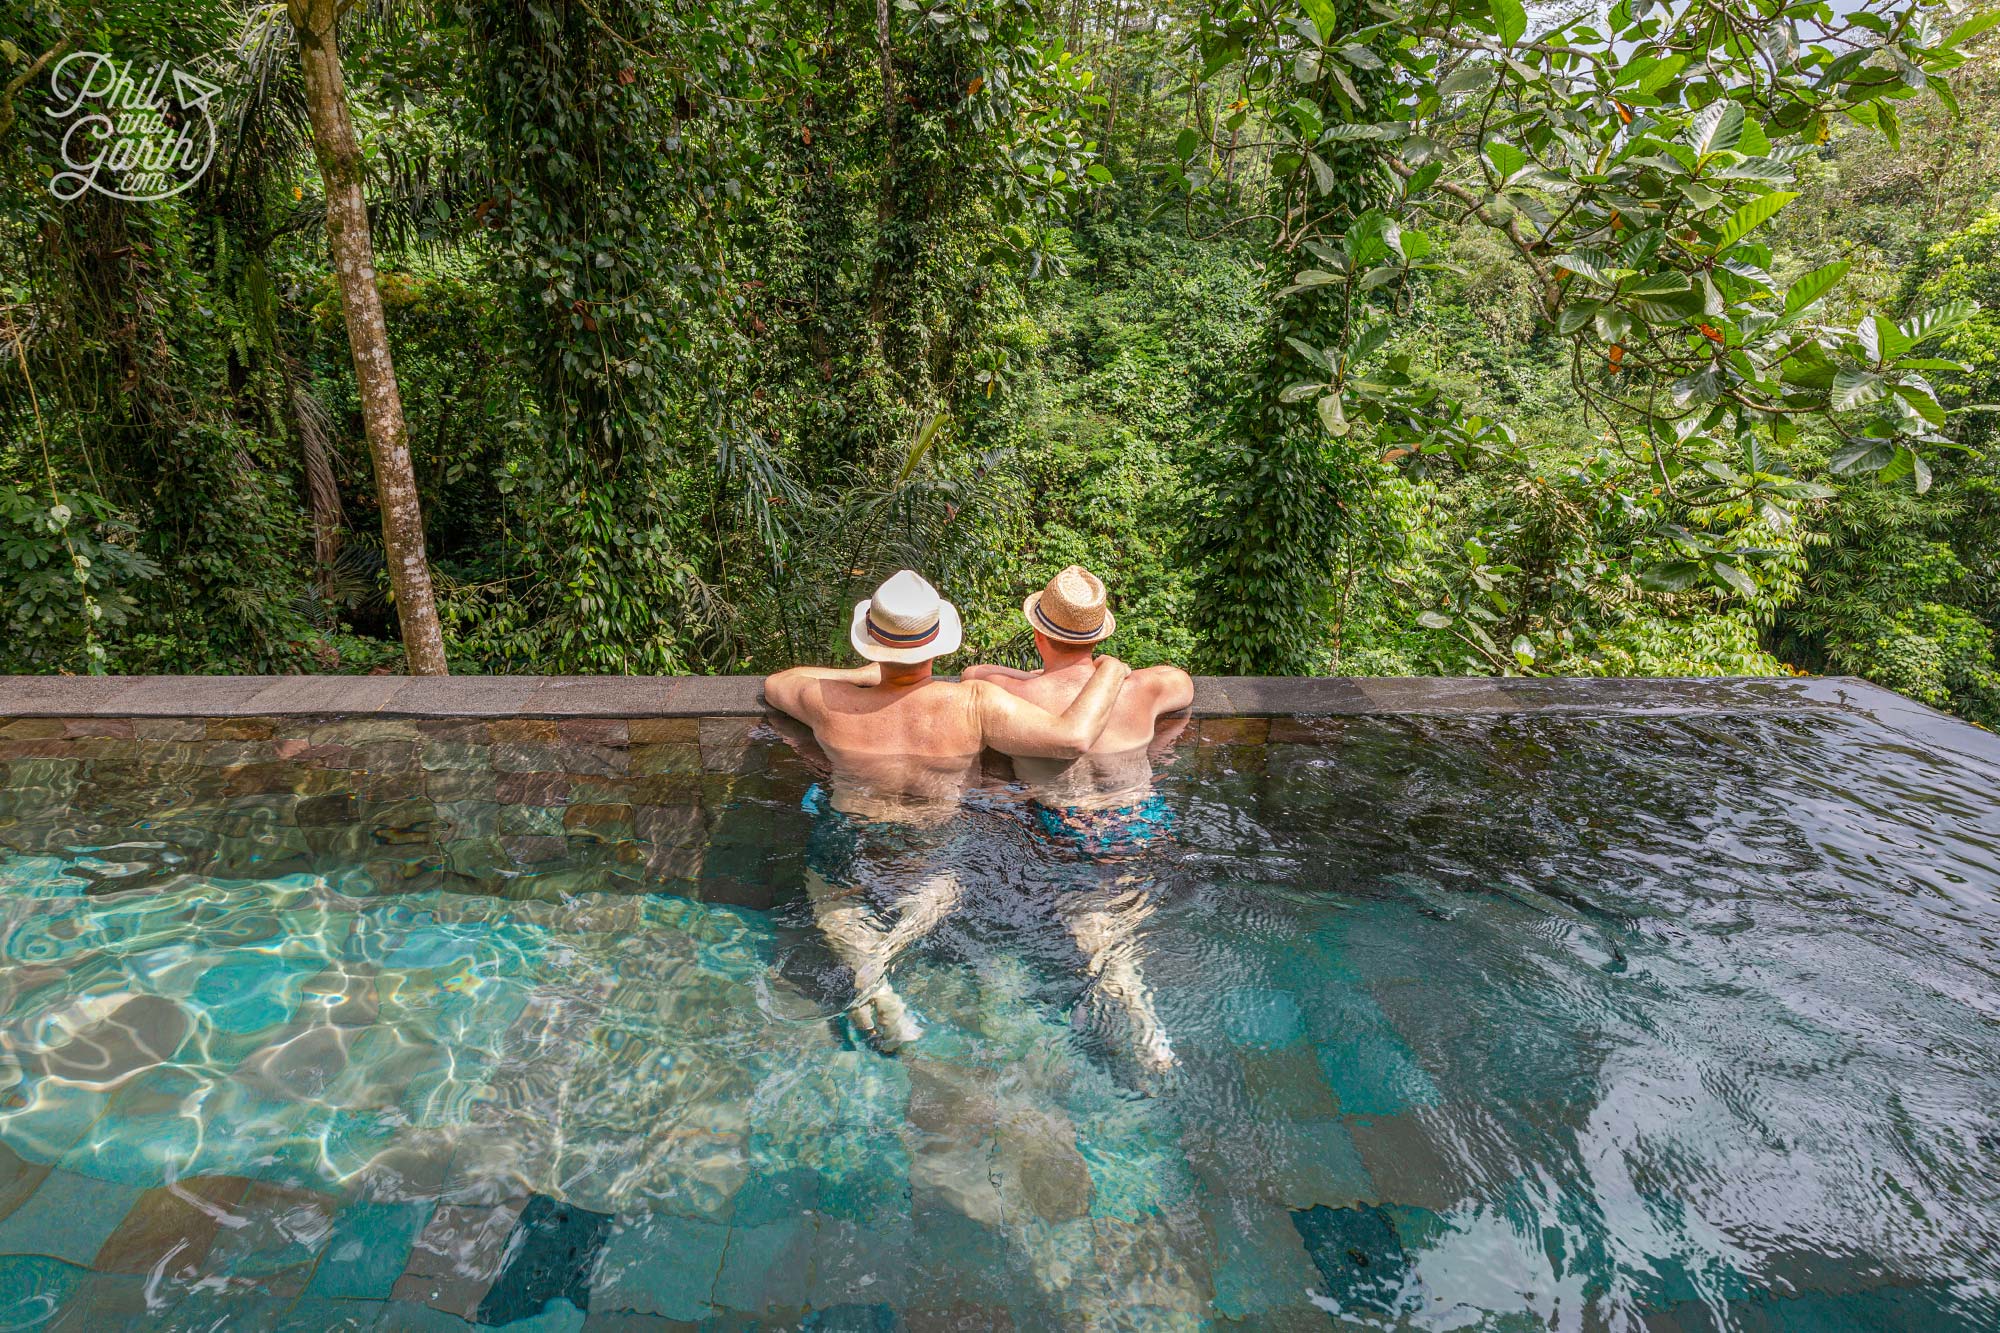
(904, 746)
(1102, 807)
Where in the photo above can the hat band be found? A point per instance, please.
(895, 640)
(1057, 631)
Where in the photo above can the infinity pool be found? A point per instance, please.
(1543, 1021)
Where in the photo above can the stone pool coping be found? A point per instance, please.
(742, 696)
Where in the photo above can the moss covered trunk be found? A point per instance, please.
(368, 335)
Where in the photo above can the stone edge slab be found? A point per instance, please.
(742, 696)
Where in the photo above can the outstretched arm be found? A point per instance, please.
(1172, 688)
(791, 691)
(1016, 727)
(994, 671)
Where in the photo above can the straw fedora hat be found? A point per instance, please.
(1071, 608)
(905, 621)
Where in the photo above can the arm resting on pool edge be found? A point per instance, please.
(790, 691)
(1172, 689)
(1014, 726)
(994, 671)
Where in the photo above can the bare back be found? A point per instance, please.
(914, 742)
(1120, 762)
(920, 743)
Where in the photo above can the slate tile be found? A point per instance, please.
(594, 730)
(69, 1218)
(1406, 1163)
(533, 788)
(173, 1224)
(34, 1283)
(1287, 1083)
(552, 1254)
(853, 1318)
(102, 1301)
(1376, 1073)
(1261, 1262)
(141, 1033)
(662, 1265)
(335, 1316)
(1261, 1018)
(368, 1250)
(519, 729)
(664, 730)
(773, 1196)
(959, 1317)
(284, 1229)
(1358, 1256)
(626, 1321)
(856, 1265)
(665, 758)
(765, 1267)
(19, 1179)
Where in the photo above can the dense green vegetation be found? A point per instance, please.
(1338, 338)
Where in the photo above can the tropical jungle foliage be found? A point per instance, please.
(1361, 336)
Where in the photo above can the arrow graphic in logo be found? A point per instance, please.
(193, 93)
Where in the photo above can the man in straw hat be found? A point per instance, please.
(903, 747)
(1101, 806)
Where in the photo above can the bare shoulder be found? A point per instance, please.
(1169, 688)
(796, 691)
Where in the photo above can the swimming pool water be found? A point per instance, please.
(1543, 1021)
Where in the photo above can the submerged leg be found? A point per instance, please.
(869, 948)
(1105, 925)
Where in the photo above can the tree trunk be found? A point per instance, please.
(368, 335)
(885, 199)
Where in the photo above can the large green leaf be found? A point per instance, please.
(1674, 576)
(1814, 285)
(1929, 323)
(1512, 20)
(1716, 128)
(1856, 388)
(1972, 27)
(1505, 157)
(1750, 217)
(1862, 456)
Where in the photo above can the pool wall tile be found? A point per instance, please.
(853, 1264)
(68, 1217)
(1261, 1264)
(664, 730)
(174, 1226)
(368, 1250)
(959, 1317)
(1404, 1162)
(19, 1179)
(33, 1283)
(100, 1302)
(625, 1321)
(765, 1267)
(1359, 1257)
(661, 1265)
(552, 1255)
(284, 1229)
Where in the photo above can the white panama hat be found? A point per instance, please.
(905, 621)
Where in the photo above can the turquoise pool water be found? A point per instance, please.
(1579, 1022)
